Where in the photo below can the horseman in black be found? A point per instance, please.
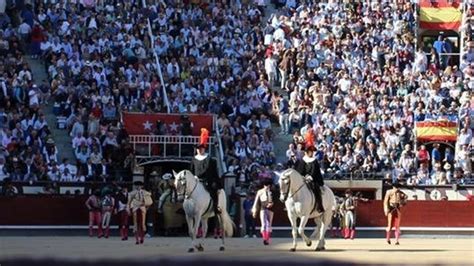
(309, 166)
(205, 168)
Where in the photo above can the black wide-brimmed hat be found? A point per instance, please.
(138, 183)
(201, 146)
(267, 182)
(396, 184)
(310, 148)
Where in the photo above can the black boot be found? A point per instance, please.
(215, 203)
(319, 200)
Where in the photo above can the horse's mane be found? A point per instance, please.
(287, 172)
(290, 171)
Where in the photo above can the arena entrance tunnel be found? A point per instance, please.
(168, 220)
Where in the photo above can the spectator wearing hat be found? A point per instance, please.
(168, 190)
(121, 200)
(308, 167)
(95, 215)
(394, 200)
(263, 206)
(50, 151)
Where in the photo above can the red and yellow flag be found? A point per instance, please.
(440, 14)
(436, 131)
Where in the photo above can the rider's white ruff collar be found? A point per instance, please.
(308, 159)
(200, 157)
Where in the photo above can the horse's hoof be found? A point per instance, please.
(191, 250)
(319, 249)
(221, 248)
(292, 249)
(200, 248)
(308, 244)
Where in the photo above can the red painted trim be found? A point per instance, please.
(414, 214)
(440, 3)
(437, 138)
(436, 124)
(70, 210)
(440, 25)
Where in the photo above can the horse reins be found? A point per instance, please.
(192, 191)
(287, 194)
(185, 188)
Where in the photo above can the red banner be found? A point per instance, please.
(144, 124)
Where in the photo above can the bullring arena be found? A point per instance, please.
(440, 251)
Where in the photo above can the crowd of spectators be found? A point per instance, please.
(97, 65)
(27, 151)
(353, 84)
(213, 61)
(357, 84)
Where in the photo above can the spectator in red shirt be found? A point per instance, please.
(423, 155)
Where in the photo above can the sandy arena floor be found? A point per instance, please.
(439, 251)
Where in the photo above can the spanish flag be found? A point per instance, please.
(440, 14)
(436, 131)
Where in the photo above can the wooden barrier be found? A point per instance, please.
(70, 210)
(414, 214)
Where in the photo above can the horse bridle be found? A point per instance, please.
(185, 184)
(287, 193)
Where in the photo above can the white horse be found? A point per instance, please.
(299, 201)
(197, 206)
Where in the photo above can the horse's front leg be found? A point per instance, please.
(303, 221)
(294, 232)
(204, 228)
(192, 231)
(197, 223)
(325, 221)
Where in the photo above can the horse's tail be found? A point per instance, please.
(330, 198)
(226, 221)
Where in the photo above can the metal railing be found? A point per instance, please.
(164, 146)
(219, 148)
(157, 62)
(462, 33)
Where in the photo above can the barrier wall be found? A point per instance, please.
(414, 214)
(70, 210)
